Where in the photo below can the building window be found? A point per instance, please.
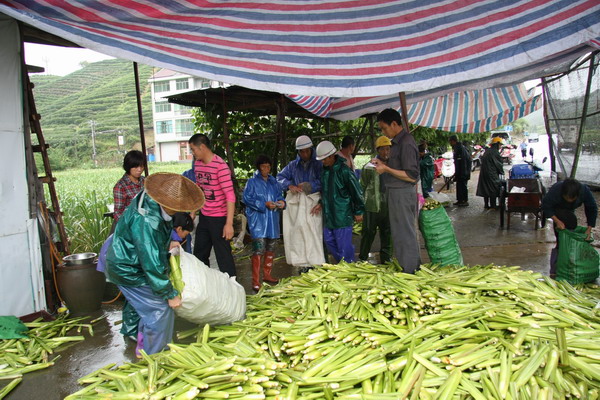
(182, 110)
(184, 127)
(164, 127)
(182, 84)
(205, 84)
(161, 87)
(162, 106)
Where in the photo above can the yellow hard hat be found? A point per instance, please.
(382, 141)
(497, 139)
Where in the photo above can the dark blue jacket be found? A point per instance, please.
(297, 172)
(553, 200)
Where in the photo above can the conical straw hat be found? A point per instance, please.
(174, 191)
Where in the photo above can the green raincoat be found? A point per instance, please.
(139, 253)
(342, 196)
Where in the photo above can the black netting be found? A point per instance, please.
(574, 120)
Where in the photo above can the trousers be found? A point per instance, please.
(156, 317)
(373, 221)
(209, 234)
(402, 205)
(462, 193)
(339, 243)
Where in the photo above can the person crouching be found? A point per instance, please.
(137, 261)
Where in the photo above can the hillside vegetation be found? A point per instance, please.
(103, 92)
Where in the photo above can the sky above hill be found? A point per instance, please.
(58, 60)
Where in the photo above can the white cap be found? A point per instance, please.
(325, 149)
(303, 142)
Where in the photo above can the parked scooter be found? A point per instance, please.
(476, 156)
(447, 169)
(507, 152)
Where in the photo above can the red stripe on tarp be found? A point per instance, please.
(315, 6)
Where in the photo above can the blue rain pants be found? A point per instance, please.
(339, 243)
(157, 318)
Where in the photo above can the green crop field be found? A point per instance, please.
(84, 195)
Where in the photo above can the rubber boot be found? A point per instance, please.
(267, 267)
(256, 259)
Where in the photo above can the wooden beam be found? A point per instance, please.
(138, 97)
(403, 112)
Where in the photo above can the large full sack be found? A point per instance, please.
(578, 261)
(208, 296)
(440, 240)
(302, 232)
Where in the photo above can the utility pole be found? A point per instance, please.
(93, 126)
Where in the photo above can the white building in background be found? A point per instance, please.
(173, 123)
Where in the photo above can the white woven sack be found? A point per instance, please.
(209, 296)
(302, 232)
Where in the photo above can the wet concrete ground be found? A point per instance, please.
(480, 237)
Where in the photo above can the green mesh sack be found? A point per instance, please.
(578, 261)
(440, 240)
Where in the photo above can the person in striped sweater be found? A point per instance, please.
(215, 228)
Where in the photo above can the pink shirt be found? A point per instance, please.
(214, 179)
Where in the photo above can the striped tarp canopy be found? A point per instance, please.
(466, 111)
(335, 48)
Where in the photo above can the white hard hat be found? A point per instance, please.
(303, 142)
(325, 149)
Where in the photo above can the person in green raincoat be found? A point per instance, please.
(376, 206)
(489, 182)
(342, 202)
(426, 170)
(137, 260)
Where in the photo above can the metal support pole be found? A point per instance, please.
(140, 116)
(548, 129)
(93, 126)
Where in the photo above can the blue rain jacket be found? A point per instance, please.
(139, 252)
(263, 223)
(297, 172)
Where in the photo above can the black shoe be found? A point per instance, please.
(457, 203)
(463, 204)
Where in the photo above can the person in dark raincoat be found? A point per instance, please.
(489, 182)
(137, 260)
(462, 168)
(426, 170)
(264, 200)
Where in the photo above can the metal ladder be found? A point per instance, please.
(42, 148)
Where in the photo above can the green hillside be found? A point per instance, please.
(103, 92)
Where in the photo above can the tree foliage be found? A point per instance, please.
(251, 135)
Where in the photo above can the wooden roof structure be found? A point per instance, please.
(238, 98)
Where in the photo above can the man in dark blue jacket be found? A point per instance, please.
(560, 203)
